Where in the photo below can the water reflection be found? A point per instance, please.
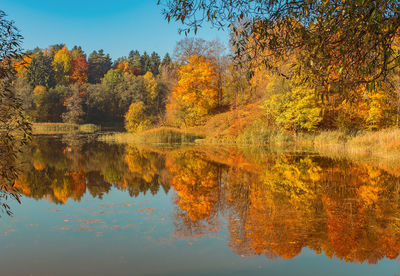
(274, 204)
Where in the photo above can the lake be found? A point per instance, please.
(91, 208)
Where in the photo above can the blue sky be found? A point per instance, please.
(116, 26)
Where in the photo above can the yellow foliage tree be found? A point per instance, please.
(126, 67)
(135, 118)
(62, 65)
(293, 107)
(152, 90)
(382, 107)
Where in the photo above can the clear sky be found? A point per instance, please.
(117, 26)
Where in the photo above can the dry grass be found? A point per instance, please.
(375, 148)
(224, 128)
(161, 135)
(54, 128)
(385, 141)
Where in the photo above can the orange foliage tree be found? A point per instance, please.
(127, 68)
(79, 69)
(196, 93)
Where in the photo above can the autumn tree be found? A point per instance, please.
(196, 93)
(21, 67)
(381, 105)
(291, 106)
(111, 83)
(52, 50)
(112, 78)
(136, 119)
(79, 70)
(151, 88)
(126, 67)
(168, 73)
(237, 87)
(62, 66)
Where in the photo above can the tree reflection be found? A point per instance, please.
(63, 169)
(275, 204)
(197, 184)
(344, 210)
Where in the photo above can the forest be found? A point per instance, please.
(61, 85)
(200, 85)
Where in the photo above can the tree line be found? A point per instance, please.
(58, 84)
(199, 81)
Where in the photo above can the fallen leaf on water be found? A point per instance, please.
(146, 210)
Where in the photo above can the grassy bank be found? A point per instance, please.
(55, 128)
(380, 144)
(248, 127)
(377, 144)
(383, 143)
(161, 135)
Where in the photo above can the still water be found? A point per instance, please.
(90, 208)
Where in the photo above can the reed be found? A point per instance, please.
(377, 144)
(53, 128)
(161, 135)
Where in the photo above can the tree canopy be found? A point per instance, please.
(339, 43)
